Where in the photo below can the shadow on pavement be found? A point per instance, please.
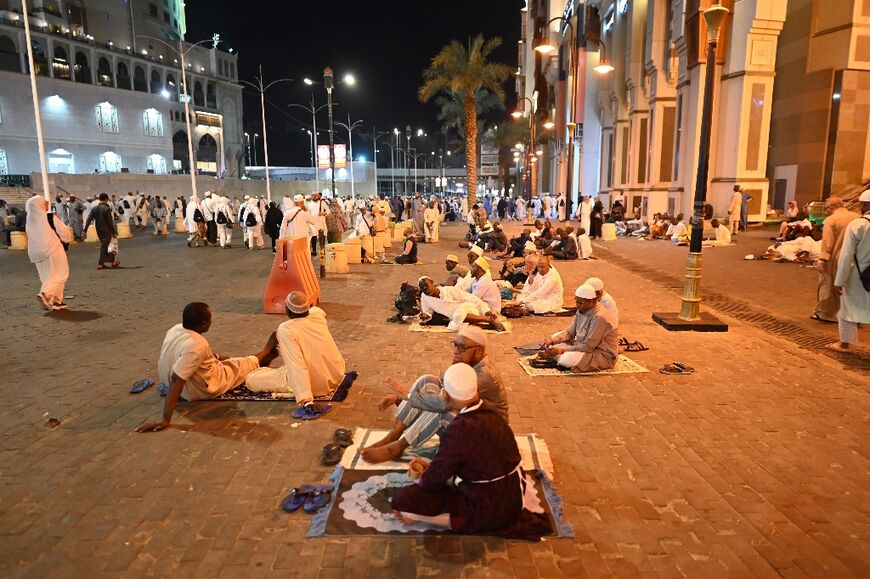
(74, 315)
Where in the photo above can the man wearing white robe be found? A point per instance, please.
(543, 292)
(286, 203)
(457, 305)
(364, 230)
(312, 364)
(521, 207)
(584, 245)
(483, 285)
(854, 257)
(225, 229)
(585, 212)
(430, 222)
(297, 220)
(255, 232)
(560, 206)
(605, 299)
(723, 235)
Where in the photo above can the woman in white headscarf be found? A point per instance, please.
(46, 251)
(194, 228)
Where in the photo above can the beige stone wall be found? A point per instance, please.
(174, 185)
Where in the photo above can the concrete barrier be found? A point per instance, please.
(19, 241)
(353, 250)
(124, 230)
(608, 232)
(336, 258)
(91, 235)
(180, 226)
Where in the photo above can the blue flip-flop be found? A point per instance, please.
(141, 386)
(163, 389)
(305, 413)
(321, 497)
(297, 498)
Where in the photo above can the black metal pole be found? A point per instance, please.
(704, 151)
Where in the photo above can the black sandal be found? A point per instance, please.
(542, 363)
(677, 368)
(635, 347)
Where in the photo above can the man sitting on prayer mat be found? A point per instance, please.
(590, 343)
(457, 305)
(313, 366)
(187, 363)
(605, 299)
(422, 408)
(455, 269)
(479, 449)
(483, 286)
(542, 292)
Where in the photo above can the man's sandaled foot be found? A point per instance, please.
(386, 453)
(44, 301)
(498, 327)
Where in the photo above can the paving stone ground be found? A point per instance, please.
(756, 465)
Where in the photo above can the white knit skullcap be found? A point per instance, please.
(482, 263)
(422, 277)
(460, 382)
(298, 198)
(585, 291)
(865, 197)
(473, 333)
(297, 302)
(452, 258)
(529, 246)
(596, 283)
(476, 249)
(247, 197)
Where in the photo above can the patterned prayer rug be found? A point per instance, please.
(242, 394)
(624, 365)
(417, 327)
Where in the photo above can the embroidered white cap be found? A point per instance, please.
(460, 382)
(473, 333)
(452, 258)
(596, 283)
(585, 291)
(297, 302)
(476, 249)
(298, 198)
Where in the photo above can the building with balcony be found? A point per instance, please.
(790, 117)
(111, 92)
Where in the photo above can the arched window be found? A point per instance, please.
(156, 164)
(139, 81)
(4, 165)
(180, 158)
(104, 73)
(40, 60)
(152, 122)
(210, 96)
(198, 99)
(61, 161)
(171, 87)
(110, 162)
(206, 155)
(82, 68)
(156, 82)
(123, 77)
(60, 64)
(106, 115)
(9, 55)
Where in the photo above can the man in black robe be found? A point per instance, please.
(103, 219)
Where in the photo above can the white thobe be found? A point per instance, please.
(855, 300)
(610, 305)
(680, 229)
(430, 221)
(586, 215)
(544, 293)
(455, 304)
(560, 206)
(723, 236)
(296, 223)
(486, 289)
(584, 245)
(313, 365)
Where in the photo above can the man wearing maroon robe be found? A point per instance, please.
(479, 449)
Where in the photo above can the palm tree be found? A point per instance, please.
(452, 110)
(503, 137)
(463, 71)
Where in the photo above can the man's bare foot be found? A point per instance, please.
(400, 516)
(838, 346)
(385, 453)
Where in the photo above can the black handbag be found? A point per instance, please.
(864, 275)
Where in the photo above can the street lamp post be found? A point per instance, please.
(186, 97)
(262, 88)
(690, 316)
(313, 110)
(37, 116)
(256, 136)
(349, 127)
(374, 138)
(517, 114)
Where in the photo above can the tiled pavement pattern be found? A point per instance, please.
(756, 465)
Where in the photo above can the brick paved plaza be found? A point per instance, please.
(756, 465)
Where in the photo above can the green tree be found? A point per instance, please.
(451, 112)
(464, 70)
(503, 137)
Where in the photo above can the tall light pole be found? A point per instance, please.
(261, 87)
(310, 144)
(518, 114)
(185, 98)
(690, 317)
(37, 116)
(349, 127)
(396, 133)
(313, 110)
(374, 136)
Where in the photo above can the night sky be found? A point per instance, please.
(385, 44)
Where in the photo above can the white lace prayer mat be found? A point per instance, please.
(624, 365)
(418, 327)
(534, 450)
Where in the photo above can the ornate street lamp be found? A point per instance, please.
(690, 316)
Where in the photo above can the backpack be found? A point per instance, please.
(221, 218)
(197, 216)
(406, 301)
(126, 204)
(250, 219)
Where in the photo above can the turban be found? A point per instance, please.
(460, 382)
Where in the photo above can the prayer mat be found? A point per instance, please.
(534, 450)
(361, 507)
(624, 365)
(242, 394)
(418, 327)
(562, 313)
(390, 262)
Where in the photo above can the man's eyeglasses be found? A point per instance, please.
(462, 347)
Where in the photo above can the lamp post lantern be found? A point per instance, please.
(313, 110)
(690, 316)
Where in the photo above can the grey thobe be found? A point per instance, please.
(417, 209)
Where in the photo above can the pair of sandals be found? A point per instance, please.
(635, 346)
(311, 498)
(332, 452)
(311, 411)
(677, 368)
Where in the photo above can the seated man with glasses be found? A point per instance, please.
(422, 408)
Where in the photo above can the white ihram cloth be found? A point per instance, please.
(313, 366)
(610, 305)
(543, 294)
(188, 355)
(296, 222)
(455, 304)
(855, 300)
(45, 249)
(319, 210)
(723, 237)
(192, 206)
(584, 245)
(286, 204)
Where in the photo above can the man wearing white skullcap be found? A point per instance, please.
(224, 221)
(605, 299)
(188, 365)
(542, 292)
(313, 365)
(483, 286)
(490, 494)
(422, 408)
(207, 206)
(455, 269)
(475, 252)
(590, 343)
(297, 220)
(853, 262)
(458, 305)
(287, 203)
(252, 221)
